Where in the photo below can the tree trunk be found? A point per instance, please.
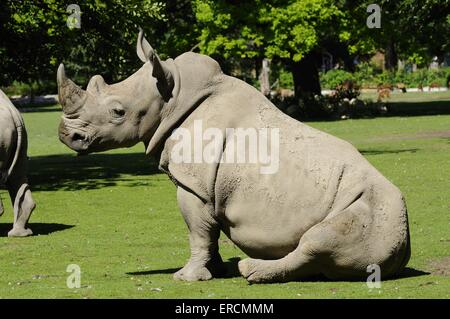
(264, 82)
(30, 84)
(390, 56)
(306, 76)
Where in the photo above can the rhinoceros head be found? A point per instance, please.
(106, 116)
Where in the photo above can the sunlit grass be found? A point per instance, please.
(117, 217)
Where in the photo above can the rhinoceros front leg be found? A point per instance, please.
(205, 261)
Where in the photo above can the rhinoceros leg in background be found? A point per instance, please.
(20, 194)
(204, 231)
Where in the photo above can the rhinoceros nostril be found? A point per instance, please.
(78, 137)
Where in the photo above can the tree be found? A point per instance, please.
(288, 31)
(35, 38)
(410, 29)
(422, 28)
(177, 32)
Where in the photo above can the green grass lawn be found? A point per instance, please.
(412, 96)
(116, 216)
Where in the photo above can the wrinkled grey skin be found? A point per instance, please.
(327, 210)
(13, 166)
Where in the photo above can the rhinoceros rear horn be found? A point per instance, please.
(71, 96)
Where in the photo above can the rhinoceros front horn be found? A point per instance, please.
(71, 96)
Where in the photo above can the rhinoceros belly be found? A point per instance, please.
(266, 215)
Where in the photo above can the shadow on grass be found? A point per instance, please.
(406, 273)
(37, 228)
(409, 273)
(379, 152)
(154, 272)
(441, 107)
(405, 109)
(231, 270)
(70, 172)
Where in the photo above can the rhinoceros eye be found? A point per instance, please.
(118, 112)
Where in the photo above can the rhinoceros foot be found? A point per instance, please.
(20, 232)
(251, 270)
(192, 272)
(258, 270)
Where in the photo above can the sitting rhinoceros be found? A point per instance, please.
(13, 166)
(323, 210)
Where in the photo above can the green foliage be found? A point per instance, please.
(418, 30)
(35, 38)
(365, 74)
(40, 87)
(333, 78)
(297, 28)
(279, 30)
(273, 29)
(422, 77)
(286, 80)
(229, 29)
(369, 76)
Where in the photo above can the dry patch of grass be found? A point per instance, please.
(440, 266)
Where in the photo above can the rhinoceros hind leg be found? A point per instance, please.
(205, 262)
(344, 245)
(23, 207)
(298, 264)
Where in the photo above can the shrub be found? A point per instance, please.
(365, 74)
(346, 90)
(333, 78)
(32, 89)
(370, 77)
(332, 107)
(286, 79)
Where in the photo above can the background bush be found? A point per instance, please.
(368, 76)
(333, 78)
(41, 87)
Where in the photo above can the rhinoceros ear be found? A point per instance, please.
(160, 71)
(164, 76)
(144, 49)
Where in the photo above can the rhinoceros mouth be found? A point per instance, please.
(77, 140)
(77, 134)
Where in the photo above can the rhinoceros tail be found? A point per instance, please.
(1, 207)
(18, 123)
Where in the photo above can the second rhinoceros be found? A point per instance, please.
(323, 209)
(13, 166)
